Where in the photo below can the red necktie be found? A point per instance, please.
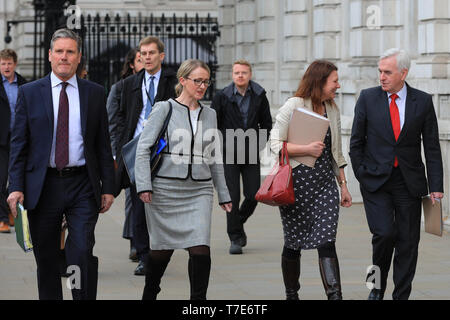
(62, 130)
(395, 119)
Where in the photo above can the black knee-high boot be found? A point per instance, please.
(329, 271)
(291, 275)
(153, 275)
(199, 268)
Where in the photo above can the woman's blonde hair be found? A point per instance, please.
(185, 70)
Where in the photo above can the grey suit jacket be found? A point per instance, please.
(196, 156)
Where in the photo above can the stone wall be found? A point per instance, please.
(281, 38)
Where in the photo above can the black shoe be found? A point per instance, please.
(235, 247)
(133, 255)
(140, 269)
(376, 294)
(242, 241)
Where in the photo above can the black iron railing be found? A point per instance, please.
(107, 40)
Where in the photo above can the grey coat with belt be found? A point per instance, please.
(186, 156)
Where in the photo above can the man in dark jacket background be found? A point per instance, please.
(139, 93)
(9, 87)
(243, 114)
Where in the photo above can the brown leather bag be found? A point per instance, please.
(277, 188)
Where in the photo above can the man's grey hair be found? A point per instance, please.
(66, 33)
(403, 59)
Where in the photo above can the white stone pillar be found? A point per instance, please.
(327, 24)
(433, 39)
(227, 41)
(246, 30)
(265, 66)
(431, 72)
(294, 47)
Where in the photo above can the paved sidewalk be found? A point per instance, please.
(255, 275)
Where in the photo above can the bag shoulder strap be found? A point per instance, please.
(166, 122)
(284, 154)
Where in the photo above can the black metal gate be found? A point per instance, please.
(106, 40)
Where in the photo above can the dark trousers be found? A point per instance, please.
(4, 160)
(141, 239)
(251, 181)
(393, 215)
(73, 196)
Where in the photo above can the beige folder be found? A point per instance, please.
(433, 216)
(306, 127)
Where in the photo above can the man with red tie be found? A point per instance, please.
(385, 149)
(61, 163)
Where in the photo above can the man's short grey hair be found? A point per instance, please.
(66, 33)
(403, 60)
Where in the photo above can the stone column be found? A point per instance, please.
(246, 30)
(227, 41)
(266, 64)
(431, 72)
(433, 39)
(294, 46)
(327, 29)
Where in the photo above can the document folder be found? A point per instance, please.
(433, 216)
(306, 127)
(23, 236)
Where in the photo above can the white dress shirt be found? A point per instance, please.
(76, 144)
(141, 121)
(401, 103)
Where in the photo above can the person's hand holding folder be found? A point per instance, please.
(13, 198)
(315, 149)
(436, 196)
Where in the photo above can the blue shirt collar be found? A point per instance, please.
(14, 81)
(156, 75)
(235, 90)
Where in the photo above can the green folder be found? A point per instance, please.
(22, 228)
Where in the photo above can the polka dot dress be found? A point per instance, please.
(312, 220)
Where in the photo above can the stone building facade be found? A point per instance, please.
(281, 37)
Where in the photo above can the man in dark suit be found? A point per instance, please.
(9, 86)
(242, 108)
(385, 149)
(139, 94)
(61, 162)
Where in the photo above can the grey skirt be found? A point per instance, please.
(179, 215)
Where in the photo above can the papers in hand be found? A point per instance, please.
(305, 127)
(23, 236)
(433, 216)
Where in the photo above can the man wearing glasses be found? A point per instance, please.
(140, 92)
(242, 112)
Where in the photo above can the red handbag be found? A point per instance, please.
(277, 188)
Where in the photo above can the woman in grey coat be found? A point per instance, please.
(179, 200)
